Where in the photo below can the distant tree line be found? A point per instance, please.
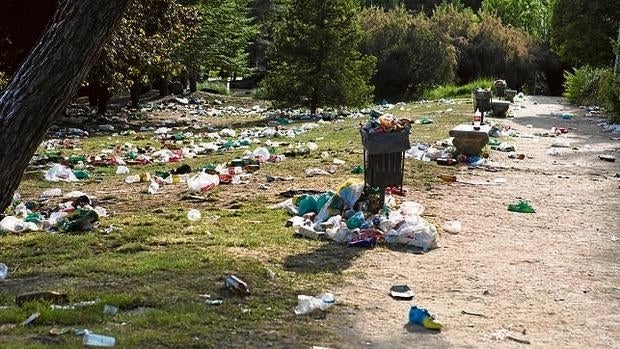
(302, 51)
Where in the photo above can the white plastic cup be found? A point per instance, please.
(194, 215)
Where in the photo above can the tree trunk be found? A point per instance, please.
(103, 97)
(48, 79)
(184, 79)
(193, 84)
(163, 85)
(93, 91)
(134, 94)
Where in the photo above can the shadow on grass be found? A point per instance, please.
(329, 257)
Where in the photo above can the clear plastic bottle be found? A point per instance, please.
(97, 340)
(477, 119)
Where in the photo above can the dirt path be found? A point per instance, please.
(551, 278)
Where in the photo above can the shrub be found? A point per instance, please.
(594, 86)
(454, 91)
(213, 86)
(582, 86)
(410, 58)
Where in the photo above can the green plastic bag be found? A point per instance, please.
(521, 207)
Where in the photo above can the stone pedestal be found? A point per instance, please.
(469, 141)
(500, 108)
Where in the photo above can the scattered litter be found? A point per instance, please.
(401, 292)
(122, 170)
(554, 152)
(45, 296)
(97, 340)
(50, 193)
(60, 173)
(313, 172)
(421, 316)
(522, 206)
(214, 302)
(308, 304)
(452, 227)
(194, 215)
(472, 313)
(30, 319)
(110, 309)
(236, 285)
(561, 143)
(609, 158)
(4, 271)
(503, 333)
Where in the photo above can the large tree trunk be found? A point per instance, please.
(193, 84)
(163, 85)
(134, 94)
(48, 79)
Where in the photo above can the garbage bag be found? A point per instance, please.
(418, 233)
(202, 182)
(60, 173)
(312, 203)
(350, 191)
(331, 208)
(411, 208)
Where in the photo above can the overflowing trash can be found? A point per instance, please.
(500, 88)
(482, 101)
(384, 158)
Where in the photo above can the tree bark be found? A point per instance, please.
(163, 85)
(193, 84)
(134, 94)
(48, 79)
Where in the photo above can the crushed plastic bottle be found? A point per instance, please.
(97, 340)
(4, 271)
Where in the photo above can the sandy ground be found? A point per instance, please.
(551, 278)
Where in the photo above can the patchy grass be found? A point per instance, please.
(155, 264)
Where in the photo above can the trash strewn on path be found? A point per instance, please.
(522, 207)
(4, 271)
(401, 292)
(421, 316)
(236, 285)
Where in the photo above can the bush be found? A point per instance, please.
(213, 86)
(594, 86)
(410, 58)
(582, 86)
(453, 91)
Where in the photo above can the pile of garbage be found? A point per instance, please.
(350, 215)
(76, 212)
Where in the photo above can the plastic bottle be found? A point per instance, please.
(4, 271)
(477, 119)
(97, 340)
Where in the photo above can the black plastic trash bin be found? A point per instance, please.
(384, 158)
(500, 88)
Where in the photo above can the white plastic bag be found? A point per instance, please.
(411, 209)
(261, 154)
(50, 193)
(202, 182)
(60, 173)
(122, 170)
(419, 233)
(11, 224)
(308, 304)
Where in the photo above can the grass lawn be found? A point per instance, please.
(155, 265)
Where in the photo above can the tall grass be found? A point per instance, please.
(218, 86)
(453, 91)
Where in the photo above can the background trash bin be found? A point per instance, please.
(384, 158)
(500, 88)
(482, 102)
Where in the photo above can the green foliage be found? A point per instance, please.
(594, 86)
(223, 39)
(583, 86)
(454, 91)
(214, 86)
(583, 31)
(534, 16)
(314, 57)
(147, 41)
(410, 59)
